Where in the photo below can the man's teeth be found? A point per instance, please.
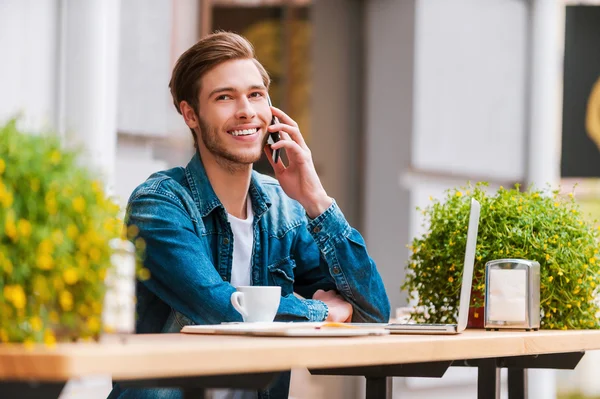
(244, 132)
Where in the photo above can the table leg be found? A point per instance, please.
(488, 380)
(30, 390)
(517, 383)
(379, 388)
(194, 393)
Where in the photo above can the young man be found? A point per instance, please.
(217, 224)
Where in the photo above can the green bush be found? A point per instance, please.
(55, 226)
(514, 224)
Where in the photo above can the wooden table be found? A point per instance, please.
(186, 360)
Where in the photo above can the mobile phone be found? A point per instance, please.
(273, 136)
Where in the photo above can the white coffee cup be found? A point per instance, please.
(256, 303)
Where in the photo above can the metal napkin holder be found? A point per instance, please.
(512, 294)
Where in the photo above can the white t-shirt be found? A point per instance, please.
(243, 243)
(241, 271)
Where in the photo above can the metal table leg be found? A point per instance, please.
(379, 388)
(517, 383)
(31, 390)
(194, 393)
(488, 380)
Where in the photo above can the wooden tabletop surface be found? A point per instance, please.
(169, 355)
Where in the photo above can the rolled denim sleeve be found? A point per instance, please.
(343, 261)
(182, 271)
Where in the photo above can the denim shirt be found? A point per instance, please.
(189, 247)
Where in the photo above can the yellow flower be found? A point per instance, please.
(547, 256)
(72, 231)
(2, 166)
(16, 295)
(96, 307)
(45, 262)
(95, 254)
(70, 276)
(132, 231)
(36, 323)
(79, 204)
(550, 278)
(592, 260)
(571, 196)
(10, 227)
(49, 339)
(24, 227)
(51, 204)
(580, 281)
(144, 274)
(66, 300)
(7, 199)
(568, 305)
(556, 204)
(93, 324)
(55, 157)
(451, 279)
(34, 184)
(8, 266)
(46, 247)
(459, 194)
(560, 273)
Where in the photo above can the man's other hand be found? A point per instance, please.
(339, 309)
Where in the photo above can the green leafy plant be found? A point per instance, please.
(513, 224)
(55, 226)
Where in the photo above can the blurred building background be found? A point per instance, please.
(398, 100)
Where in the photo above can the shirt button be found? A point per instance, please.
(336, 270)
(224, 278)
(225, 240)
(317, 229)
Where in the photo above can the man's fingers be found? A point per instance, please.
(293, 149)
(293, 132)
(283, 117)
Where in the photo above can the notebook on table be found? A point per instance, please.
(287, 329)
(465, 291)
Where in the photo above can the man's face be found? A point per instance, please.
(233, 112)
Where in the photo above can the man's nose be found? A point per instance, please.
(245, 109)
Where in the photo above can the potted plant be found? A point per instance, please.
(529, 224)
(55, 226)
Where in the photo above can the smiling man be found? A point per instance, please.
(217, 224)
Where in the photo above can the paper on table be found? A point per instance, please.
(507, 295)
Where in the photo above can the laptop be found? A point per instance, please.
(465, 291)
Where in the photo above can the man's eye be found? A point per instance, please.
(256, 94)
(224, 97)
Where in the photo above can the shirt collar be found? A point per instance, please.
(205, 198)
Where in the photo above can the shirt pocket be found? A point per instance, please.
(281, 273)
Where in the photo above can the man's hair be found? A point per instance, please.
(203, 56)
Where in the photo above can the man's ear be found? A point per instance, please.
(189, 115)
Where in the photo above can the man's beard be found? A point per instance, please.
(228, 159)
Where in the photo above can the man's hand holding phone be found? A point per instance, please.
(299, 178)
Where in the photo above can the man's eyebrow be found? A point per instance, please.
(231, 89)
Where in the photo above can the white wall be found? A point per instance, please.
(28, 70)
